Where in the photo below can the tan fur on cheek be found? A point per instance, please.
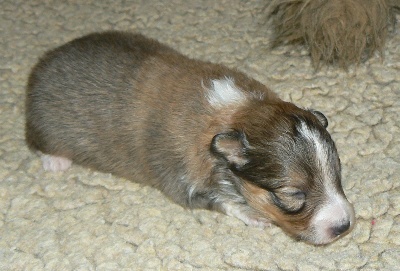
(259, 199)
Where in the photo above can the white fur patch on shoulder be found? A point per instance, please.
(224, 92)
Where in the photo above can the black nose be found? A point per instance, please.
(338, 230)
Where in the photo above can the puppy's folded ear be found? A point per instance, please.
(321, 117)
(231, 146)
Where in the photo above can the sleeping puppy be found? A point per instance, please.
(205, 135)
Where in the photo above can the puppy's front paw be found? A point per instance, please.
(246, 216)
(257, 222)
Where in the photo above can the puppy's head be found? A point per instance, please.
(287, 169)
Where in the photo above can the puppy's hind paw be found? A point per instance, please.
(55, 163)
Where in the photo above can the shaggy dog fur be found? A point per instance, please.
(339, 32)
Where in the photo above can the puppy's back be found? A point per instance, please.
(120, 103)
(82, 98)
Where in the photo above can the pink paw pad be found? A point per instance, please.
(55, 163)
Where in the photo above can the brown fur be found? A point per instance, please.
(340, 32)
(161, 86)
(125, 104)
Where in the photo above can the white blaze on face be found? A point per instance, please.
(330, 221)
(321, 149)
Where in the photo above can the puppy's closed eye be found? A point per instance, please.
(289, 199)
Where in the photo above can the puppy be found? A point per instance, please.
(205, 135)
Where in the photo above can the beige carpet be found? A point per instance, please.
(84, 220)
